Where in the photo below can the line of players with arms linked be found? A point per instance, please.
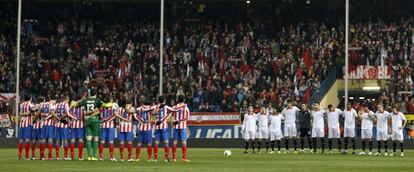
(51, 123)
(266, 127)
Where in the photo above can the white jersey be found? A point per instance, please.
(397, 121)
(366, 121)
(263, 121)
(382, 120)
(318, 119)
(350, 118)
(290, 115)
(249, 123)
(333, 118)
(275, 122)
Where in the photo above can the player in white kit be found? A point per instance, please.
(398, 124)
(333, 127)
(290, 113)
(382, 128)
(318, 125)
(249, 128)
(367, 118)
(263, 127)
(275, 128)
(349, 127)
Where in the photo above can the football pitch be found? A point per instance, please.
(213, 160)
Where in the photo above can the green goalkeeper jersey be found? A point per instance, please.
(90, 104)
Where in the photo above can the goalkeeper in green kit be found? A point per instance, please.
(91, 107)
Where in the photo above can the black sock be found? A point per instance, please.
(247, 145)
(279, 145)
(323, 144)
(259, 145)
(267, 145)
(386, 146)
(379, 146)
(364, 143)
(287, 144)
(302, 143)
(253, 145)
(402, 147)
(370, 146)
(310, 143)
(330, 144)
(272, 144)
(314, 144)
(346, 143)
(339, 144)
(394, 147)
(353, 144)
(295, 144)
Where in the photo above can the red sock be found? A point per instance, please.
(156, 152)
(101, 149)
(184, 150)
(129, 150)
(111, 150)
(149, 151)
(167, 152)
(121, 150)
(174, 150)
(20, 148)
(50, 149)
(57, 149)
(137, 152)
(42, 150)
(26, 150)
(80, 149)
(66, 149)
(72, 150)
(33, 150)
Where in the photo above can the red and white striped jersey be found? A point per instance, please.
(26, 107)
(77, 117)
(125, 126)
(181, 116)
(162, 115)
(37, 125)
(62, 109)
(143, 114)
(108, 117)
(48, 119)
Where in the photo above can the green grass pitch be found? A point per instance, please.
(203, 160)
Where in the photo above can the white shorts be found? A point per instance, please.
(349, 132)
(397, 135)
(318, 132)
(262, 134)
(276, 135)
(249, 135)
(366, 133)
(290, 130)
(382, 135)
(334, 133)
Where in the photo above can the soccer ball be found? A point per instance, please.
(227, 152)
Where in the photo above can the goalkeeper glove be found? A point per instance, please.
(73, 103)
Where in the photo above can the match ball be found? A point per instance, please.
(227, 152)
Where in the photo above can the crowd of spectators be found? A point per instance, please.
(219, 62)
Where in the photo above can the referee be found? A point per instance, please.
(304, 127)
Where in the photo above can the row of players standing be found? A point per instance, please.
(266, 126)
(56, 121)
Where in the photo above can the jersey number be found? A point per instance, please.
(90, 107)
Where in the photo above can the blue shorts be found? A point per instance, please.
(145, 136)
(180, 134)
(77, 133)
(48, 132)
(36, 133)
(162, 134)
(25, 132)
(62, 133)
(108, 134)
(125, 136)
